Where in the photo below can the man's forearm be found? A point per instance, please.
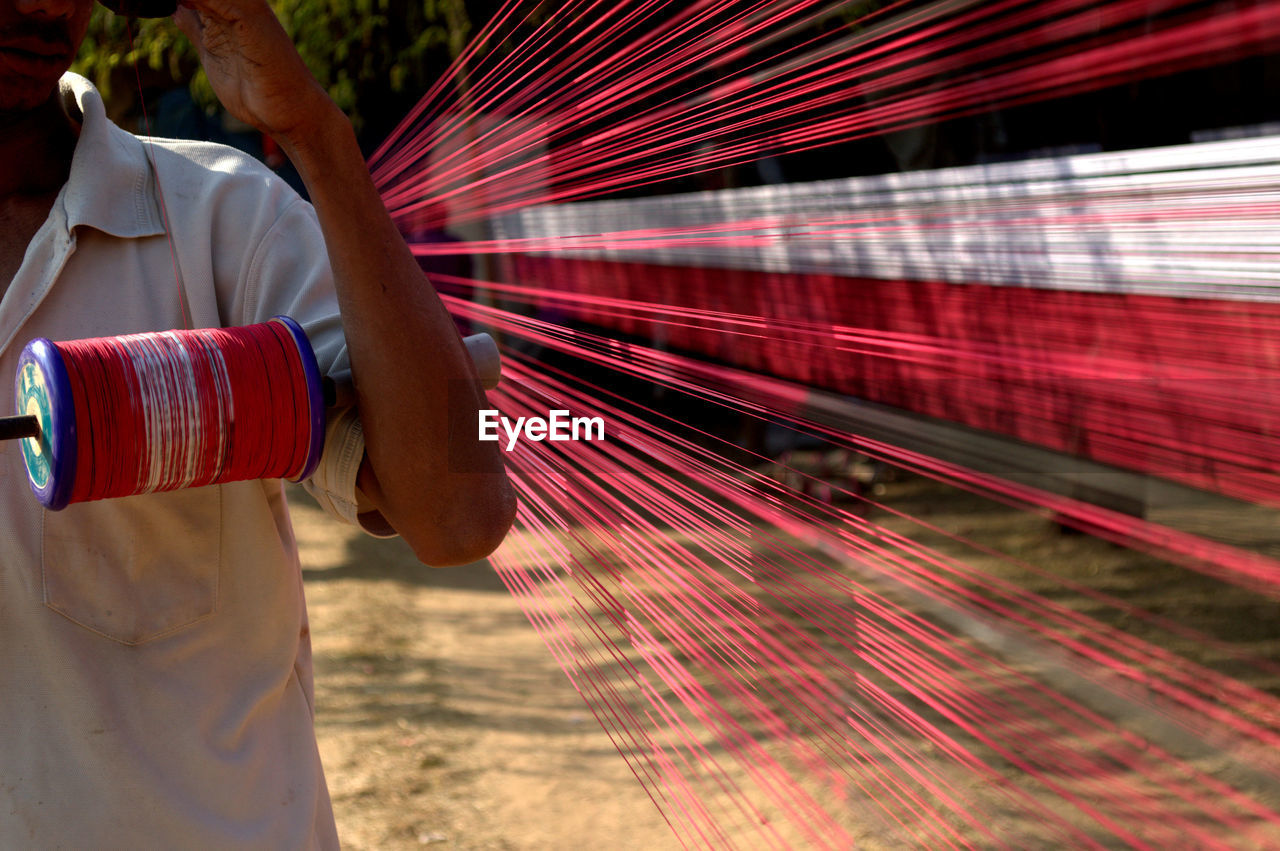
(407, 362)
(406, 357)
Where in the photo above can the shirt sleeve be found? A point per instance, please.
(289, 274)
(333, 484)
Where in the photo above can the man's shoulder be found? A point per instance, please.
(210, 168)
(105, 145)
(212, 156)
(209, 188)
(207, 184)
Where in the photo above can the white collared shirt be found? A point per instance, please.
(156, 682)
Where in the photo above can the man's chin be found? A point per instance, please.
(17, 100)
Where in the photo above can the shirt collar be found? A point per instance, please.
(111, 185)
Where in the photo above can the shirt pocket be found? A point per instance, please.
(136, 568)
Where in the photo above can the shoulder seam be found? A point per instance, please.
(251, 279)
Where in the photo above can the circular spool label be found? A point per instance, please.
(33, 400)
(42, 388)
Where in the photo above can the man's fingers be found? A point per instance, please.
(251, 64)
(228, 10)
(189, 23)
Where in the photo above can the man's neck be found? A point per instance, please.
(36, 147)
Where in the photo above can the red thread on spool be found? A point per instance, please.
(183, 409)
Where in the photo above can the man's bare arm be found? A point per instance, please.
(407, 358)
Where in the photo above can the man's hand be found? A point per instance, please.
(253, 66)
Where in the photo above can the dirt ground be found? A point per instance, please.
(442, 719)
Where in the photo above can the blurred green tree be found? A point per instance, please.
(376, 57)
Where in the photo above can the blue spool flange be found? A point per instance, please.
(315, 395)
(43, 389)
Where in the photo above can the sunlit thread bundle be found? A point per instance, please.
(947, 583)
(928, 670)
(660, 91)
(855, 281)
(599, 109)
(756, 393)
(161, 411)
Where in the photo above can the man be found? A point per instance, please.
(155, 683)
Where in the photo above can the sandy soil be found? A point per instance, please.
(442, 719)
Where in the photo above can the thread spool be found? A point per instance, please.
(141, 413)
(118, 416)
